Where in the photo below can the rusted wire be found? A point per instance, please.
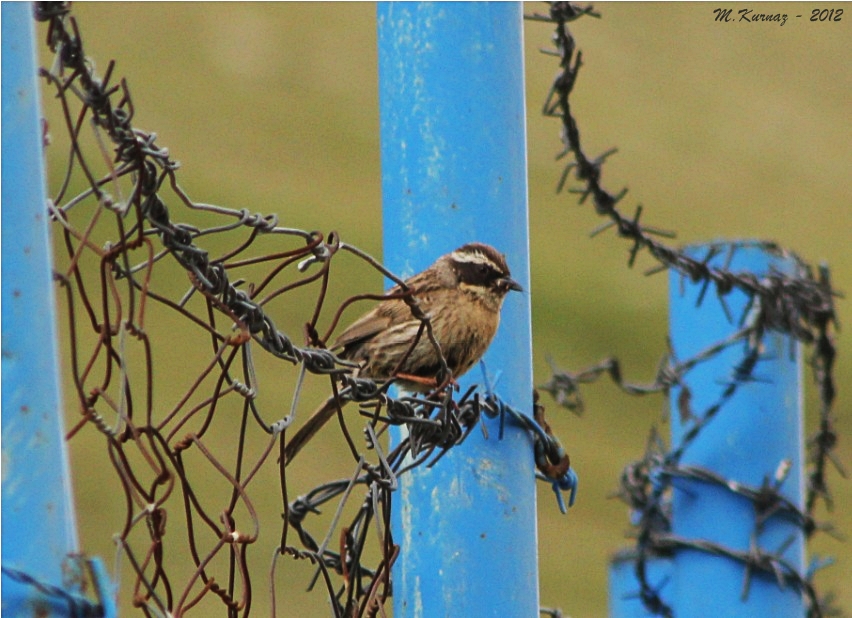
(138, 282)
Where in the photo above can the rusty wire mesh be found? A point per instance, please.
(131, 271)
(800, 306)
(141, 288)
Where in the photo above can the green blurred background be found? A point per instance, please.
(724, 131)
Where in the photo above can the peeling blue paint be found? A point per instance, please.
(454, 171)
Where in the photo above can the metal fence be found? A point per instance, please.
(787, 298)
(136, 281)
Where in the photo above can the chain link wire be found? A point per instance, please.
(138, 285)
(135, 280)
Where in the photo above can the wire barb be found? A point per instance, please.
(800, 305)
(143, 285)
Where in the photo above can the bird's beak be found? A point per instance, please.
(511, 284)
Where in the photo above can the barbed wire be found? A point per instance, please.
(800, 305)
(123, 249)
(124, 255)
(82, 575)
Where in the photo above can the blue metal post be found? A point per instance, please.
(39, 529)
(624, 598)
(752, 434)
(454, 171)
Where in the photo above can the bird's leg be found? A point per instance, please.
(431, 383)
(434, 389)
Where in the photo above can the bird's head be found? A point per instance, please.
(481, 270)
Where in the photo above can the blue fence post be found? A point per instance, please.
(757, 429)
(39, 528)
(453, 171)
(624, 598)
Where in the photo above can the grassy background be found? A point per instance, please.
(724, 131)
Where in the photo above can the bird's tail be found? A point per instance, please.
(307, 431)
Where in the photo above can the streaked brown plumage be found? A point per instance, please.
(462, 293)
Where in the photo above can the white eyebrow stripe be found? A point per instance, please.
(473, 258)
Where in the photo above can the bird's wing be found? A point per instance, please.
(388, 313)
(365, 327)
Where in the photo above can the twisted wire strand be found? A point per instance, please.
(800, 305)
(137, 282)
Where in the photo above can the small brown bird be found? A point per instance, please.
(462, 293)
